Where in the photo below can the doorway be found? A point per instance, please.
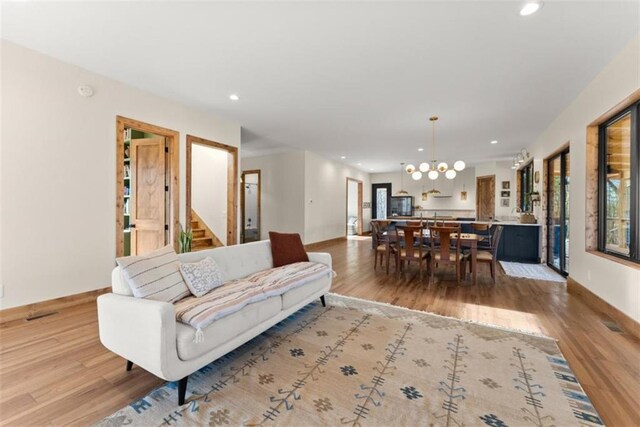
(381, 204)
(485, 197)
(250, 206)
(146, 187)
(354, 207)
(558, 180)
(211, 202)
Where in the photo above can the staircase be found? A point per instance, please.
(203, 238)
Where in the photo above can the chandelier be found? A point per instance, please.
(522, 157)
(435, 169)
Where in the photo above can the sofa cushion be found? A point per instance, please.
(202, 276)
(236, 261)
(286, 249)
(225, 329)
(155, 276)
(295, 295)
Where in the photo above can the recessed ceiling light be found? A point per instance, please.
(370, 169)
(359, 164)
(494, 142)
(420, 149)
(530, 8)
(234, 97)
(343, 157)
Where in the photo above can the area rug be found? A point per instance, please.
(361, 363)
(531, 271)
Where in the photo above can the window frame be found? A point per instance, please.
(634, 220)
(525, 201)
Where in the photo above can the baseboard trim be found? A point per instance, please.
(30, 310)
(624, 321)
(315, 245)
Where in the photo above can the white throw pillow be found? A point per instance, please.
(201, 276)
(155, 276)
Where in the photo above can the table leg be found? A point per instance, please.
(474, 257)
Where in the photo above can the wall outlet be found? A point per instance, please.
(588, 275)
(1, 291)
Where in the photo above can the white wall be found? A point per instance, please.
(452, 206)
(305, 193)
(282, 198)
(326, 197)
(209, 187)
(617, 284)
(58, 171)
(503, 172)
(352, 199)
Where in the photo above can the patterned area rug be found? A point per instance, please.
(531, 271)
(361, 363)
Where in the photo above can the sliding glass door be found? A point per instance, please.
(558, 172)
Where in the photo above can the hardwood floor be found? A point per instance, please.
(54, 370)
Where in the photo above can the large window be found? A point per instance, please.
(618, 184)
(526, 187)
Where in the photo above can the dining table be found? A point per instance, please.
(467, 240)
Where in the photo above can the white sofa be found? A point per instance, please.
(146, 333)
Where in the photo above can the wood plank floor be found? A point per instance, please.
(54, 371)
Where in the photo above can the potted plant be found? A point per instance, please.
(534, 196)
(184, 240)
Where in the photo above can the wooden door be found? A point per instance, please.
(148, 214)
(485, 197)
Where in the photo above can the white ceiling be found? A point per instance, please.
(355, 79)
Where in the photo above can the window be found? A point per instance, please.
(618, 184)
(526, 187)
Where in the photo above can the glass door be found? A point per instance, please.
(558, 182)
(381, 205)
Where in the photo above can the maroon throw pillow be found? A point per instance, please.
(286, 248)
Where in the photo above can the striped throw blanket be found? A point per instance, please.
(233, 296)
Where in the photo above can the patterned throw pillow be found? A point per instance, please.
(201, 276)
(155, 276)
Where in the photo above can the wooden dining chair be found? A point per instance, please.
(446, 251)
(483, 230)
(490, 256)
(384, 247)
(410, 247)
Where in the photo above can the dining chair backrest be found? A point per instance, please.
(377, 232)
(477, 227)
(407, 236)
(440, 238)
(495, 239)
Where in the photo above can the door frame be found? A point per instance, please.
(242, 202)
(172, 139)
(374, 200)
(360, 215)
(232, 184)
(482, 178)
(561, 153)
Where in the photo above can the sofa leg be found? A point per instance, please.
(324, 304)
(182, 389)
(129, 365)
